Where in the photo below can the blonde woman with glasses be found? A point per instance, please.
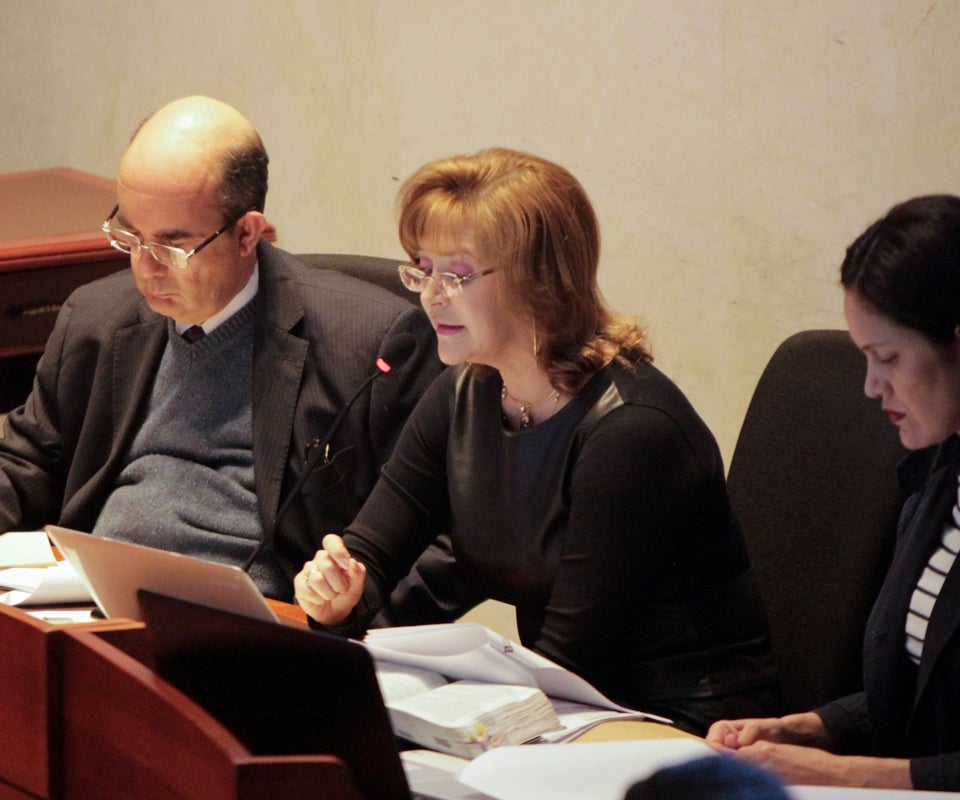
(575, 480)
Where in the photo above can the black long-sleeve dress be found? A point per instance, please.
(607, 526)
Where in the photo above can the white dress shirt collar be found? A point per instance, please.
(240, 299)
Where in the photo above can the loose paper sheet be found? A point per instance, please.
(26, 549)
(43, 585)
(598, 770)
(605, 770)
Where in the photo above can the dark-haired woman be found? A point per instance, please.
(902, 301)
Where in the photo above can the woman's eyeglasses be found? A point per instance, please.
(415, 279)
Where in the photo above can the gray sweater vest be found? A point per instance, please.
(187, 483)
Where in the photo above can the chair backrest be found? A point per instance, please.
(375, 269)
(813, 481)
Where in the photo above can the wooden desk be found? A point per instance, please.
(623, 730)
(288, 613)
(50, 243)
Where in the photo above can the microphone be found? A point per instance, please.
(394, 354)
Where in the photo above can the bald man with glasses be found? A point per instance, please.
(174, 403)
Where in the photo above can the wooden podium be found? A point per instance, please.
(127, 733)
(50, 243)
(83, 715)
(30, 709)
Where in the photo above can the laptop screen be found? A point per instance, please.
(113, 572)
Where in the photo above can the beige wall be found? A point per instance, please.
(732, 148)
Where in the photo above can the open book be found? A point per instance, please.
(439, 681)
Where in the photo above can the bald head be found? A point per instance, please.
(194, 174)
(198, 146)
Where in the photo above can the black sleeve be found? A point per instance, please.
(31, 450)
(847, 721)
(405, 513)
(939, 773)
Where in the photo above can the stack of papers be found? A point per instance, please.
(470, 651)
(32, 574)
(465, 718)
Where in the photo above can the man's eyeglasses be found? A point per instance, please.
(169, 256)
(451, 284)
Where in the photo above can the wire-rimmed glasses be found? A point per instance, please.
(415, 279)
(165, 254)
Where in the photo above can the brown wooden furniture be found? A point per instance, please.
(50, 243)
(128, 733)
(83, 714)
(30, 702)
(622, 730)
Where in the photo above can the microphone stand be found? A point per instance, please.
(316, 450)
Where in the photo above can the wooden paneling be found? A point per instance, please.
(50, 243)
(30, 714)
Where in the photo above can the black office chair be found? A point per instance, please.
(432, 592)
(813, 481)
(375, 269)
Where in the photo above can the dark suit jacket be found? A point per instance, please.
(905, 711)
(318, 334)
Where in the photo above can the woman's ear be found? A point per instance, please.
(252, 226)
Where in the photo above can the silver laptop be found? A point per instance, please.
(114, 571)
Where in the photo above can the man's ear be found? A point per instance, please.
(251, 227)
(955, 344)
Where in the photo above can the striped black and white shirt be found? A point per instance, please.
(931, 581)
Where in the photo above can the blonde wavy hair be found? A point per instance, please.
(531, 220)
